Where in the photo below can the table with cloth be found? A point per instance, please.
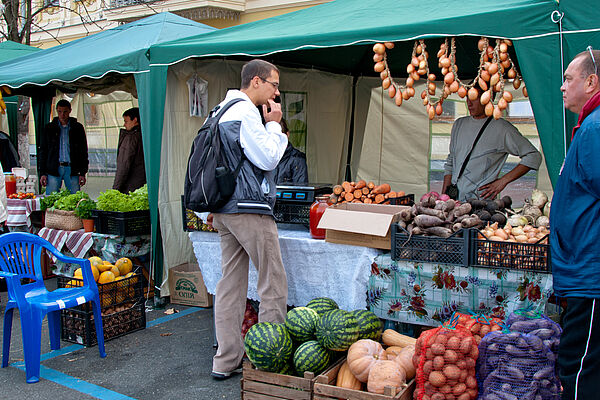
(427, 293)
(19, 213)
(314, 268)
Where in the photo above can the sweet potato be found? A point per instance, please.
(470, 222)
(463, 209)
(430, 211)
(439, 231)
(382, 189)
(427, 221)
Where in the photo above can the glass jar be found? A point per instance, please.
(316, 212)
(10, 183)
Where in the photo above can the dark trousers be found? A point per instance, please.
(579, 351)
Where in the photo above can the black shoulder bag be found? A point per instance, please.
(452, 190)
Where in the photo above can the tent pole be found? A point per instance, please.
(351, 135)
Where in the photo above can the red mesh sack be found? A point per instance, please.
(479, 324)
(445, 360)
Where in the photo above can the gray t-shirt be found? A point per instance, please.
(499, 139)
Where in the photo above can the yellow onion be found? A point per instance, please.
(379, 48)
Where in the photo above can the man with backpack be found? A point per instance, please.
(245, 223)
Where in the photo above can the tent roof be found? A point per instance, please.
(120, 50)
(351, 22)
(10, 50)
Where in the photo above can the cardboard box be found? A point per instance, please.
(360, 224)
(187, 286)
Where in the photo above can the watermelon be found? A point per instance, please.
(311, 356)
(337, 330)
(288, 369)
(268, 346)
(322, 304)
(369, 325)
(301, 323)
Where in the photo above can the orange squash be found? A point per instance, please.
(362, 355)
(346, 379)
(392, 351)
(385, 373)
(404, 361)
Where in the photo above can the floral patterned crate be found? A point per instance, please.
(452, 250)
(510, 255)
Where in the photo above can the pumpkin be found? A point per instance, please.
(404, 359)
(385, 373)
(362, 355)
(346, 379)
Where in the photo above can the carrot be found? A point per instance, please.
(356, 201)
(368, 201)
(401, 193)
(357, 194)
(382, 189)
(347, 187)
(366, 190)
(379, 199)
(349, 196)
(371, 185)
(362, 198)
(360, 184)
(392, 195)
(338, 189)
(333, 198)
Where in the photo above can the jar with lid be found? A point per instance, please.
(10, 183)
(316, 212)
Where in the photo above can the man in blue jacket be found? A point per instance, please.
(574, 233)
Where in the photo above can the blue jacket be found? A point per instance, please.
(575, 216)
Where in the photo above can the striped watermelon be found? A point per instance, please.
(322, 304)
(268, 346)
(337, 330)
(288, 369)
(369, 325)
(301, 323)
(311, 356)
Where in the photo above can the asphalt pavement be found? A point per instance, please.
(170, 359)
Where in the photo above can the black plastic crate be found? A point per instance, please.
(291, 213)
(113, 293)
(77, 324)
(487, 253)
(130, 223)
(434, 249)
(191, 222)
(407, 200)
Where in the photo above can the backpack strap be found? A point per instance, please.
(216, 121)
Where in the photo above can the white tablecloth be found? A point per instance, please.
(314, 268)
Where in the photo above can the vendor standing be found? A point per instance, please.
(131, 172)
(292, 166)
(498, 139)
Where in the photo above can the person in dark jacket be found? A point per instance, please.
(63, 152)
(573, 239)
(292, 167)
(131, 172)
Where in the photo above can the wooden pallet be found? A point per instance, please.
(262, 385)
(325, 389)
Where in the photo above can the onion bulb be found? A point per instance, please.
(492, 68)
(517, 220)
(392, 91)
(497, 113)
(485, 97)
(539, 198)
(454, 86)
(410, 69)
(473, 94)
(431, 77)
(525, 92)
(439, 109)
(502, 104)
(377, 57)
(462, 92)
(415, 62)
(386, 83)
(503, 47)
(489, 109)
(398, 98)
(389, 45)
(431, 111)
(379, 66)
(542, 221)
(449, 78)
(445, 62)
(481, 44)
(503, 56)
(383, 74)
(379, 48)
(494, 79)
(410, 91)
(482, 84)
(485, 75)
(507, 96)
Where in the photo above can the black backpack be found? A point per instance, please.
(209, 182)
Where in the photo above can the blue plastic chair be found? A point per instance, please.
(20, 265)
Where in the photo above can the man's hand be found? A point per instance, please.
(44, 180)
(81, 180)
(209, 220)
(275, 113)
(492, 189)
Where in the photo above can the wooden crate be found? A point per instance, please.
(262, 385)
(325, 389)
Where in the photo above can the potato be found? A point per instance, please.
(438, 396)
(429, 354)
(474, 354)
(463, 375)
(453, 343)
(472, 393)
(459, 389)
(446, 389)
(452, 372)
(427, 367)
(466, 344)
(470, 363)
(450, 356)
(441, 339)
(438, 349)
(464, 396)
(438, 363)
(437, 379)
(462, 364)
(484, 330)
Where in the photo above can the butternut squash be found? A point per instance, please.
(346, 379)
(392, 351)
(392, 338)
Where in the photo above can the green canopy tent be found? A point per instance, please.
(109, 60)
(8, 51)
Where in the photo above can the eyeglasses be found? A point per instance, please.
(589, 48)
(275, 84)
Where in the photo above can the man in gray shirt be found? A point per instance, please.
(499, 139)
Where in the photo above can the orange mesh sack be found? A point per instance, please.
(479, 324)
(445, 360)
